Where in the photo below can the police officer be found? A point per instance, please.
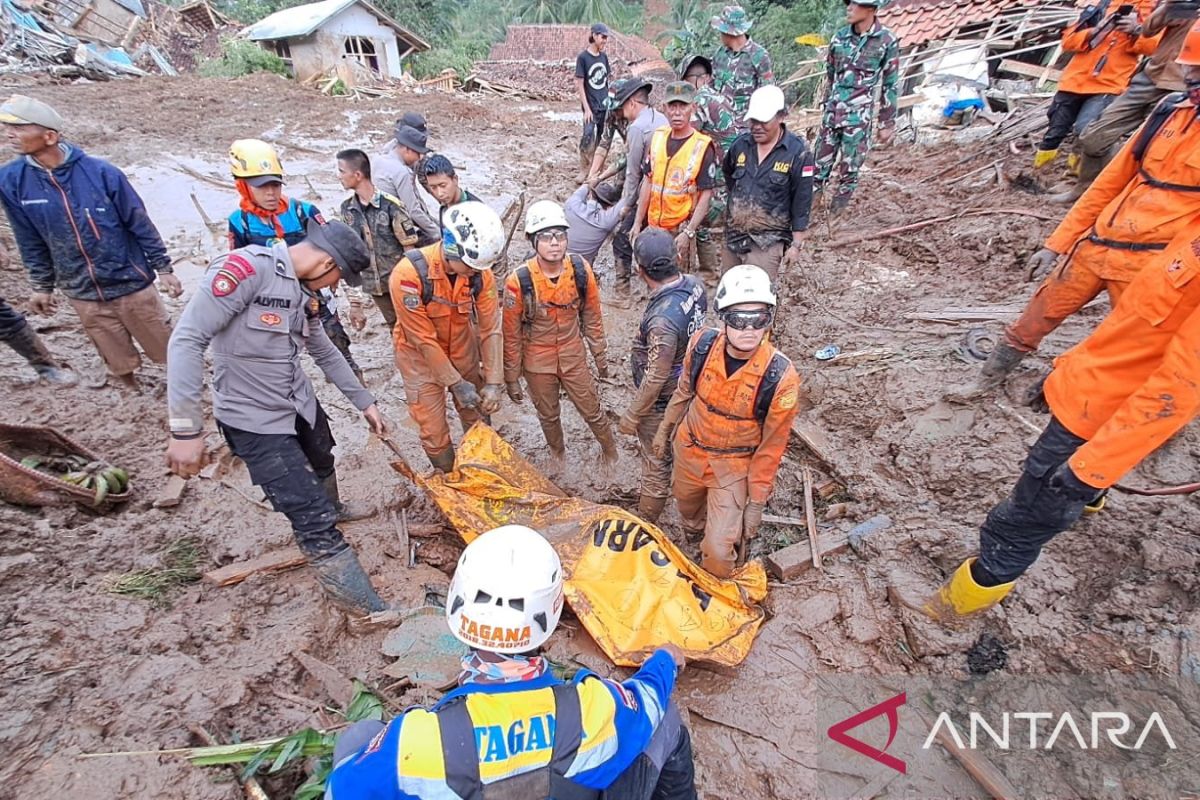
(674, 312)
(253, 307)
(512, 729)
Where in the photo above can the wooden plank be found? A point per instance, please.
(172, 493)
(793, 561)
(278, 561)
(985, 773)
(339, 688)
(810, 517)
(1042, 74)
(814, 438)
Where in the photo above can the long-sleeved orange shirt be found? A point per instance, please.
(719, 432)
(1135, 381)
(437, 342)
(553, 342)
(1107, 67)
(1124, 205)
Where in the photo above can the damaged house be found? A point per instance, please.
(316, 38)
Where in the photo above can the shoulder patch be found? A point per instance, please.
(412, 302)
(223, 283)
(239, 266)
(787, 400)
(628, 699)
(318, 216)
(808, 170)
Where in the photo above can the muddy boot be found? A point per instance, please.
(999, 363)
(347, 583)
(961, 597)
(651, 508)
(693, 535)
(443, 461)
(708, 257)
(608, 446)
(839, 205)
(1089, 168)
(346, 512)
(30, 346)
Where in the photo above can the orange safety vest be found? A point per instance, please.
(673, 179)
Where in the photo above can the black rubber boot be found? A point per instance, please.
(347, 512)
(30, 346)
(443, 461)
(347, 583)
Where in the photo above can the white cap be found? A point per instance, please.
(765, 103)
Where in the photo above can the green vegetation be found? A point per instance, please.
(155, 584)
(242, 57)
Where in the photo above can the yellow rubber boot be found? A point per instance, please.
(961, 596)
(1043, 157)
(1073, 161)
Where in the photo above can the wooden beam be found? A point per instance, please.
(1042, 74)
(794, 560)
(280, 560)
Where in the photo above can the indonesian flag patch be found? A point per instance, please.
(808, 170)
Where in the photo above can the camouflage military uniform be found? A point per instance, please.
(854, 66)
(737, 74)
(714, 116)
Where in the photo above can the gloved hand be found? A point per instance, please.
(752, 519)
(465, 394)
(489, 399)
(659, 445)
(1067, 484)
(628, 424)
(1040, 263)
(602, 368)
(515, 393)
(1035, 396)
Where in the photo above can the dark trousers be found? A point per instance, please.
(1071, 112)
(12, 321)
(1037, 510)
(592, 131)
(336, 332)
(290, 468)
(623, 247)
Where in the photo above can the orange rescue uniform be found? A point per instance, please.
(724, 457)
(546, 346)
(1107, 67)
(1121, 223)
(453, 337)
(1135, 381)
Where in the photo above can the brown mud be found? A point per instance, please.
(86, 671)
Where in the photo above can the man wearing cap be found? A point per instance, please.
(740, 65)
(253, 308)
(769, 178)
(712, 112)
(681, 172)
(632, 99)
(81, 227)
(673, 313)
(593, 213)
(862, 56)
(591, 83)
(394, 175)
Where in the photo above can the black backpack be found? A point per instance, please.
(525, 280)
(422, 267)
(766, 388)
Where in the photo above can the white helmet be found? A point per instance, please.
(544, 214)
(473, 233)
(744, 283)
(507, 592)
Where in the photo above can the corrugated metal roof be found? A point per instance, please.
(304, 20)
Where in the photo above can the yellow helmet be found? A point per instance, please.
(254, 158)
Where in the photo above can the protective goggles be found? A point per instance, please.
(551, 235)
(746, 320)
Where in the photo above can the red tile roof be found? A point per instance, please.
(564, 42)
(919, 21)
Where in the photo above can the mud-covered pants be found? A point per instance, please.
(545, 392)
(712, 504)
(656, 472)
(1037, 509)
(12, 321)
(847, 146)
(290, 468)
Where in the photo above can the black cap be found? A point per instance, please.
(412, 138)
(412, 119)
(654, 250)
(347, 249)
(627, 89)
(258, 181)
(600, 28)
(607, 194)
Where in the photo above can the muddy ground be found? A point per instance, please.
(87, 671)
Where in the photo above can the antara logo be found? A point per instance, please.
(890, 708)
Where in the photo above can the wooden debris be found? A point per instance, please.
(795, 560)
(339, 688)
(200, 176)
(836, 511)
(977, 765)
(280, 560)
(925, 223)
(172, 493)
(814, 438)
(827, 489)
(778, 519)
(1043, 74)
(956, 314)
(810, 518)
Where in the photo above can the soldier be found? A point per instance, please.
(713, 112)
(253, 308)
(673, 313)
(383, 223)
(861, 56)
(740, 65)
(550, 309)
(447, 334)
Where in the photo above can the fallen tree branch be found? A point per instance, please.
(925, 223)
(1167, 491)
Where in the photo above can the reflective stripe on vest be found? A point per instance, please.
(673, 180)
(460, 755)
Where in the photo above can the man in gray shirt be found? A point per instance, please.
(257, 308)
(593, 214)
(393, 174)
(632, 99)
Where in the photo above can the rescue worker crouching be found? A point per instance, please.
(265, 216)
(551, 305)
(512, 729)
(447, 334)
(729, 420)
(673, 313)
(253, 308)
